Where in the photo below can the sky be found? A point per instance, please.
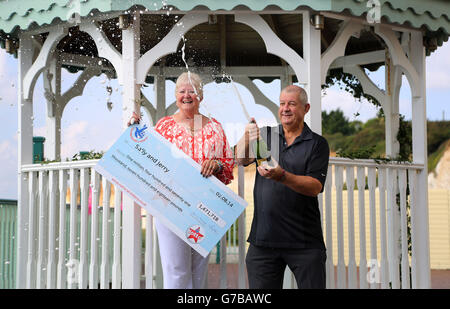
(88, 124)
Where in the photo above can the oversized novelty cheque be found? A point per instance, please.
(167, 183)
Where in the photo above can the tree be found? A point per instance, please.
(335, 122)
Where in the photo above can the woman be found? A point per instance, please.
(204, 140)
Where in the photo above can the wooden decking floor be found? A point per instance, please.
(440, 279)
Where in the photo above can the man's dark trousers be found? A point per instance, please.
(266, 266)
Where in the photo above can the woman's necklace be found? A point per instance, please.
(185, 122)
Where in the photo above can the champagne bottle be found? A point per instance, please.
(260, 150)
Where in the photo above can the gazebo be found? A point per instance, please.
(143, 41)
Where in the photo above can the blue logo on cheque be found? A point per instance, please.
(138, 134)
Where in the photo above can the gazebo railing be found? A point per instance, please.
(8, 222)
(379, 199)
(84, 251)
(79, 253)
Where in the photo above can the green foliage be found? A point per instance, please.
(336, 122)
(437, 133)
(404, 138)
(435, 157)
(47, 161)
(349, 83)
(362, 153)
(367, 141)
(336, 141)
(91, 155)
(363, 141)
(352, 139)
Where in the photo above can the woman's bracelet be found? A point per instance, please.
(220, 166)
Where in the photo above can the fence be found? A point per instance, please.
(8, 219)
(69, 248)
(366, 210)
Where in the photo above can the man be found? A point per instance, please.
(286, 228)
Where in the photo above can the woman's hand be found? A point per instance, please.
(135, 119)
(209, 167)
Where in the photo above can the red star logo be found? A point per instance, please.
(195, 234)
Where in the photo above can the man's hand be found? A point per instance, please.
(252, 131)
(305, 185)
(242, 152)
(272, 171)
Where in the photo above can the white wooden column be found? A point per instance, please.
(312, 56)
(160, 96)
(131, 223)
(393, 82)
(154, 258)
(420, 262)
(285, 79)
(52, 85)
(25, 156)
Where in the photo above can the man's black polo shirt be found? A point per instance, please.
(284, 218)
